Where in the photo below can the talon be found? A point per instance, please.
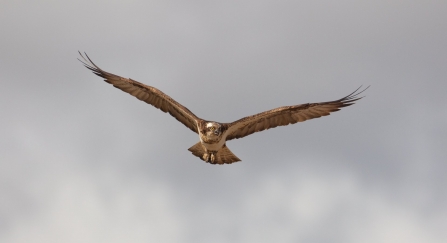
(213, 158)
(206, 157)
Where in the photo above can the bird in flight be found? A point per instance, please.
(213, 135)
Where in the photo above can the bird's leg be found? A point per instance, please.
(210, 157)
(206, 157)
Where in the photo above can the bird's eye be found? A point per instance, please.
(212, 128)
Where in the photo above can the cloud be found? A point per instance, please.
(82, 161)
(315, 206)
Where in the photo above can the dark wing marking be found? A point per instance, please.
(147, 94)
(286, 115)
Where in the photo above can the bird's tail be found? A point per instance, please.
(223, 156)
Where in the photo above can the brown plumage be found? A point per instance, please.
(286, 115)
(213, 135)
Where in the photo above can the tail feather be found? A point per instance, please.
(223, 156)
(197, 150)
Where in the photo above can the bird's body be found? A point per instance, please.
(212, 147)
(213, 135)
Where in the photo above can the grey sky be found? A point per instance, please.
(81, 161)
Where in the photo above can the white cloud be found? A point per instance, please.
(82, 210)
(81, 161)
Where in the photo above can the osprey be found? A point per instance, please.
(213, 135)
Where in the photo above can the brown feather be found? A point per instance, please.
(224, 156)
(285, 115)
(147, 94)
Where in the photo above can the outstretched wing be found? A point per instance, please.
(286, 115)
(147, 94)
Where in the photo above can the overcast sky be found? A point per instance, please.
(81, 161)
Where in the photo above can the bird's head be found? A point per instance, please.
(213, 129)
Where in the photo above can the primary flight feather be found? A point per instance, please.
(212, 148)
